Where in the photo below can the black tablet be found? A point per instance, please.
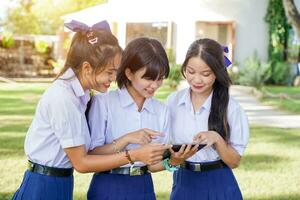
(176, 147)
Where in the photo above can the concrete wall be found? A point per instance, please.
(251, 29)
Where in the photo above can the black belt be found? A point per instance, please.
(49, 171)
(202, 167)
(132, 171)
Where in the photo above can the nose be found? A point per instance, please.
(155, 84)
(198, 79)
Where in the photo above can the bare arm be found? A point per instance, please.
(84, 163)
(111, 148)
(228, 154)
(142, 136)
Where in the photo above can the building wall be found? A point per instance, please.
(251, 29)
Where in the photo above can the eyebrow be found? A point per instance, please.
(206, 70)
(112, 69)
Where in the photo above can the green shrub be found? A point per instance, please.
(8, 40)
(41, 46)
(253, 73)
(174, 76)
(280, 73)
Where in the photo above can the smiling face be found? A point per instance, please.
(101, 81)
(142, 86)
(199, 76)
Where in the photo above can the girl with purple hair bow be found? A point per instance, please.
(58, 139)
(204, 113)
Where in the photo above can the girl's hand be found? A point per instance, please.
(142, 136)
(150, 153)
(207, 137)
(184, 153)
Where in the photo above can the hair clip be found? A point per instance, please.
(226, 60)
(93, 40)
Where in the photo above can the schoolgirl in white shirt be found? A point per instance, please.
(205, 113)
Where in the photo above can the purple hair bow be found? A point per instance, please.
(79, 26)
(227, 61)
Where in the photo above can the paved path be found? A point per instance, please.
(261, 114)
(258, 113)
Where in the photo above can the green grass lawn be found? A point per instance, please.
(292, 106)
(268, 171)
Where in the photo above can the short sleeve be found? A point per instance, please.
(97, 119)
(239, 130)
(67, 122)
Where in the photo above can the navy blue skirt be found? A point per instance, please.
(218, 184)
(42, 187)
(106, 186)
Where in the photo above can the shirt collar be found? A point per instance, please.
(186, 100)
(127, 100)
(76, 86)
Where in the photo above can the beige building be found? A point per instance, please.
(238, 24)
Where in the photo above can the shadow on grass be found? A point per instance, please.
(284, 137)
(261, 162)
(33, 90)
(13, 128)
(11, 146)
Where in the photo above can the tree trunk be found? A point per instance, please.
(292, 15)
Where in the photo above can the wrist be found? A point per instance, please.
(133, 155)
(173, 163)
(125, 139)
(168, 166)
(217, 137)
(115, 147)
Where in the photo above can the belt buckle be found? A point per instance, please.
(135, 171)
(30, 166)
(197, 167)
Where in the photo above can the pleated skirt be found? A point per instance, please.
(106, 186)
(218, 184)
(42, 187)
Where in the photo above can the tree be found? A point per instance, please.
(278, 31)
(42, 16)
(292, 15)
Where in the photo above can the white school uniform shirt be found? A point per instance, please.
(186, 124)
(115, 114)
(59, 123)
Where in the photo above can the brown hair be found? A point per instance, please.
(211, 52)
(143, 52)
(97, 54)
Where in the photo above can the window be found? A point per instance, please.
(157, 30)
(223, 32)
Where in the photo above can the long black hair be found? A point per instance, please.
(211, 52)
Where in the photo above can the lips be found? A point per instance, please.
(150, 92)
(198, 87)
(106, 85)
